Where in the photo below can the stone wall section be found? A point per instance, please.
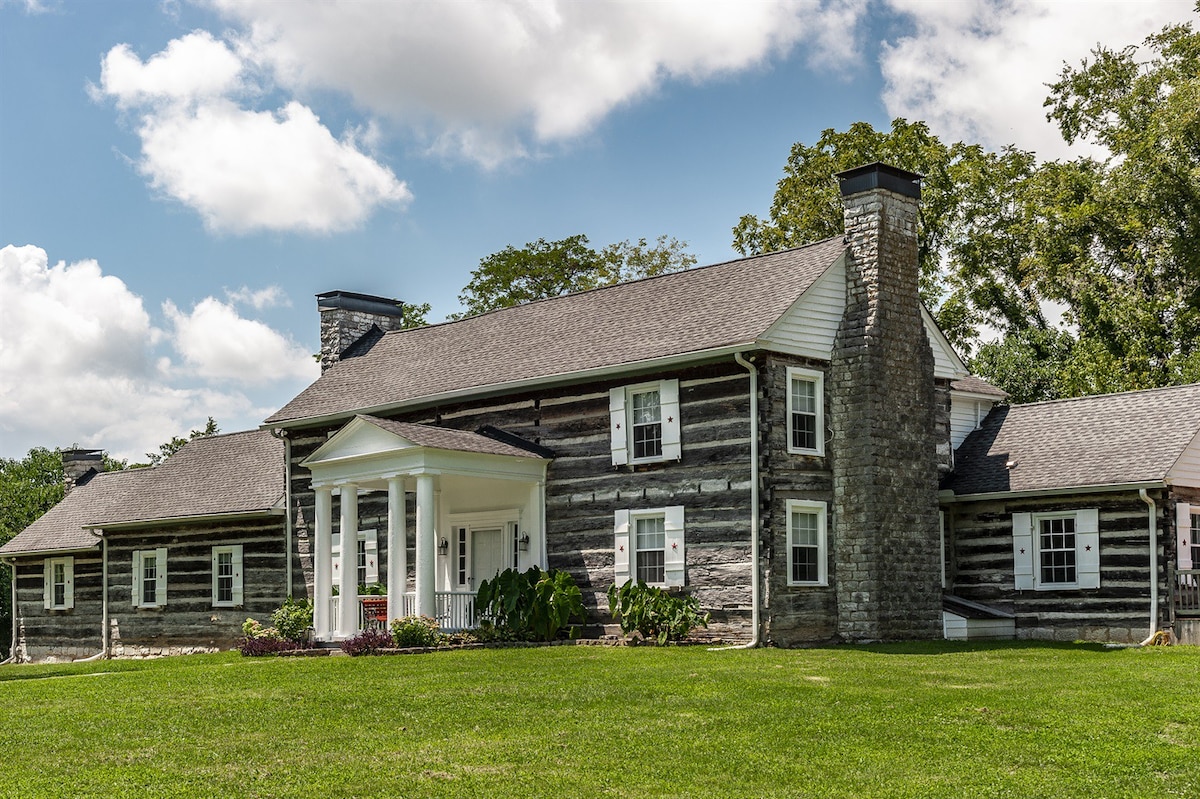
(883, 416)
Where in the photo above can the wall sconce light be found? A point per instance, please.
(443, 546)
(523, 543)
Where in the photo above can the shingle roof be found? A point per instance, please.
(1112, 439)
(445, 438)
(974, 385)
(728, 304)
(216, 475)
(61, 527)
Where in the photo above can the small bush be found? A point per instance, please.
(655, 613)
(257, 647)
(367, 642)
(415, 631)
(293, 619)
(532, 605)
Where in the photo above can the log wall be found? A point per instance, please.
(52, 635)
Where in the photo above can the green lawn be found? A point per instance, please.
(940, 720)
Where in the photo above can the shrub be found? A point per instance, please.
(293, 619)
(532, 604)
(415, 631)
(655, 613)
(367, 642)
(257, 647)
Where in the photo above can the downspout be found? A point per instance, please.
(755, 616)
(287, 498)
(1153, 527)
(12, 649)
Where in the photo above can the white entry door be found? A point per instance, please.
(487, 553)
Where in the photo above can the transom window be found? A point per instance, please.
(806, 542)
(651, 548)
(805, 409)
(647, 424)
(1056, 550)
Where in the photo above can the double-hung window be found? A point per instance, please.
(806, 411)
(58, 589)
(227, 576)
(1054, 551)
(645, 422)
(807, 543)
(150, 578)
(649, 546)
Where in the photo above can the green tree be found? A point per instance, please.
(176, 443)
(29, 487)
(544, 269)
(413, 315)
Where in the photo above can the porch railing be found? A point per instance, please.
(455, 609)
(1186, 592)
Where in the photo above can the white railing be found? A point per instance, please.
(455, 610)
(1187, 592)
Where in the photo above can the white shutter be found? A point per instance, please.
(216, 571)
(69, 588)
(617, 425)
(372, 541)
(160, 557)
(136, 582)
(621, 547)
(238, 595)
(1183, 532)
(674, 558)
(1022, 551)
(47, 583)
(335, 557)
(668, 401)
(1087, 548)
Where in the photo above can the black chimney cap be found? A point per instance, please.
(879, 176)
(368, 303)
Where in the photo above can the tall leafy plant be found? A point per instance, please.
(655, 613)
(533, 604)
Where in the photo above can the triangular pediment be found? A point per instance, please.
(359, 437)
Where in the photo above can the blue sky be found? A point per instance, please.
(178, 178)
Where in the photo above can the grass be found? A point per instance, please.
(929, 720)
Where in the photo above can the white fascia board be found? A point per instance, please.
(948, 497)
(631, 368)
(993, 398)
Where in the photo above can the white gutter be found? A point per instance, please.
(755, 616)
(1153, 529)
(948, 497)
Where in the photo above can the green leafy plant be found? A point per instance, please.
(533, 604)
(292, 619)
(374, 589)
(654, 613)
(413, 631)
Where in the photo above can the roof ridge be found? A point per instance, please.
(635, 281)
(1065, 400)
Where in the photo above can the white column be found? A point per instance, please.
(426, 547)
(397, 559)
(347, 623)
(323, 565)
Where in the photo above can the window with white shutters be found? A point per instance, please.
(1053, 551)
(58, 590)
(150, 578)
(649, 546)
(227, 588)
(644, 422)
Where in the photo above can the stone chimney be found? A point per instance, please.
(347, 317)
(887, 552)
(80, 464)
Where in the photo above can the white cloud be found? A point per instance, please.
(242, 170)
(218, 344)
(80, 363)
(258, 299)
(479, 76)
(977, 70)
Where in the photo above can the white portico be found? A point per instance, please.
(480, 507)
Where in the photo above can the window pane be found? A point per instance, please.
(651, 543)
(647, 424)
(805, 547)
(224, 576)
(1056, 548)
(149, 579)
(59, 581)
(804, 413)
(645, 407)
(804, 395)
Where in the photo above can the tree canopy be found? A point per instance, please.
(1006, 241)
(544, 269)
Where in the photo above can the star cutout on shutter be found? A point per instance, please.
(674, 545)
(670, 419)
(1022, 551)
(618, 426)
(621, 548)
(1088, 548)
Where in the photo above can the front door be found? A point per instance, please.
(487, 553)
